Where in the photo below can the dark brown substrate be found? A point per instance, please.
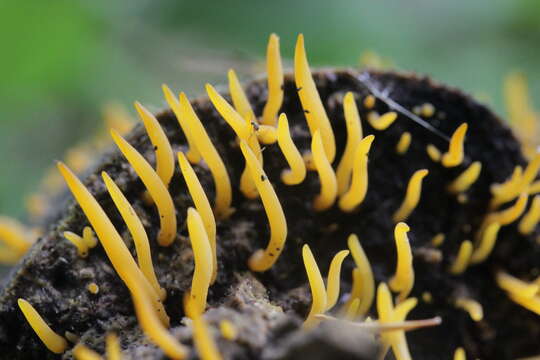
(268, 308)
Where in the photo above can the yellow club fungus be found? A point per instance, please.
(114, 246)
(334, 279)
(354, 135)
(93, 288)
(531, 218)
(468, 177)
(263, 260)
(487, 242)
(404, 143)
(81, 352)
(228, 330)
(162, 146)
(222, 182)
(534, 188)
(157, 189)
(82, 248)
(265, 133)
(116, 116)
(357, 291)
(202, 253)
(327, 176)
(89, 237)
(508, 190)
(455, 154)
(316, 116)
(274, 70)
(352, 310)
(381, 122)
(369, 101)
(54, 342)
(204, 343)
(193, 154)
(14, 236)
(427, 110)
(463, 258)
(240, 100)
(529, 303)
(438, 239)
(112, 347)
(459, 354)
(472, 307)
(433, 153)
(412, 196)
(316, 283)
(509, 215)
(138, 233)
(202, 205)
(363, 276)
(403, 280)
(359, 183)
(297, 172)
(516, 286)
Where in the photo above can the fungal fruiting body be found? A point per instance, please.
(319, 182)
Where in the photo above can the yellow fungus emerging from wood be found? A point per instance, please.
(354, 136)
(314, 111)
(531, 218)
(316, 283)
(465, 180)
(13, 235)
(222, 182)
(455, 154)
(460, 354)
(204, 343)
(433, 153)
(357, 291)
(508, 190)
(193, 154)
(364, 276)
(137, 231)
(162, 146)
(202, 205)
(297, 172)
(89, 237)
(403, 280)
(80, 244)
(438, 239)
(274, 71)
(334, 279)
(516, 286)
(427, 110)
(240, 100)
(509, 215)
(228, 330)
(487, 242)
(534, 188)
(156, 188)
(412, 196)
(266, 134)
(81, 352)
(112, 347)
(93, 288)
(369, 101)
(463, 258)
(472, 307)
(352, 310)
(529, 303)
(404, 143)
(359, 183)
(54, 342)
(381, 122)
(202, 253)
(263, 260)
(327, 176)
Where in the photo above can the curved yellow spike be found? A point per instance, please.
(228, 330)
(359, 184)
(433, 153)
(438, 239)
(13, 235)
(274, 70)
(460, 354)
(516, 286)
(532, 303)
(162, 146)
(465, 180)
(327, 177)
(455, 154)
(222, 182)
(112, 347)
(138, 233)
(369, 101)
(333, 281)
(534, 188)
(81, 352)
(383, 121)
(354, 135)
(54, 342)
(112, 242)
(93, 288)
(202, 253)
(202, 205)
(204, 343)
(193, 154)
(463, 258)
(266, 134)
(404, 143)
(508, 190)
(297, 172)
(263, 260)
(473, 307)
(157, 189)
(357, 291)
(487, 242)
(316, 283)
(531, 218)
(89, 237)
(352, 310)
(509, 215)
(240, 100)
(82, 248)
(365, 275)
(404, 308)
(412, 196)
(311, 101)
(529, 175)
(403, 280)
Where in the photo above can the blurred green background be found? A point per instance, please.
(62, 60)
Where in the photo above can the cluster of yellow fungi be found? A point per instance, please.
(347, 186)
